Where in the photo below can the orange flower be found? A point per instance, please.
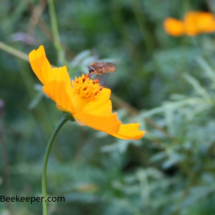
(174, 27)
(85, 99)
(195, 22)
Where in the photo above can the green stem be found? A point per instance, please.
(51, 140)
(55, 31)
(13, 51)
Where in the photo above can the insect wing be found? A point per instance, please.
(101, 68)
(109, 67)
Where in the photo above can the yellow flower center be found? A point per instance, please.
(85, 90)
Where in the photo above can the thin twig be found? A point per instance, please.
(35, 17)
(14, 51)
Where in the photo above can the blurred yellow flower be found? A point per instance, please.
(174, 27)
(85, 99)
(194, 23)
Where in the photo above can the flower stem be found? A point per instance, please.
(51, 140)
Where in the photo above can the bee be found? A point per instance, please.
(101, 68)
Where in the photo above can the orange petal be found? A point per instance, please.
(211, 28)
(192, 16)
(174, 27)
(41, 65)
(206, 22)
(103, 110)
(44, 71)
(57, 91)
(61, 75)
(197, 22)
(100, 107)
(129, 131)
(191, 20)
(108, 124)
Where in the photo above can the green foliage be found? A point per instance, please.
(168, 82)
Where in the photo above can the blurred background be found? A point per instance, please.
(165, 83)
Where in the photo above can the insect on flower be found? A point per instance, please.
(85, 99)
(101, 68)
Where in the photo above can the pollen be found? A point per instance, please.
(86, 89)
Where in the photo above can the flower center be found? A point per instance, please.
(85, 90)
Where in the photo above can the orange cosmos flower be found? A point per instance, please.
(85, 99)
(174, 27)
(195, 22)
